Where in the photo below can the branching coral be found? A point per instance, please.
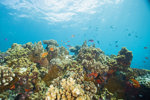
(71, 86)
(6, 77)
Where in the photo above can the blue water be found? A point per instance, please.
(114, 23)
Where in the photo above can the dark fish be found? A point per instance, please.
(145, 47)
(129, 34)
(116, 41)
(116, 46)
(98, 42)
(69, 46)
(136, 36)
(90, 40)
(144, 61)
(146, 57)
(6, 39)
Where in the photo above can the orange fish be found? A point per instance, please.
(73, 36)
(135, 83)
(51, 49)
(13, 87)
(44, 54)
(27, 90)
(110, 72)
(98, 81)
(93, 75)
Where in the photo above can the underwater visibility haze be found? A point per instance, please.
(74, 49)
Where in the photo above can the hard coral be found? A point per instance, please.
(17, 56)
(124, 57)
(71, 86)
(50, 42)
(93, 59)
(6, 77)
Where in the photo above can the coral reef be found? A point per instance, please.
(50, 43)
(31, 72)
(144, 80)
(6, 77)
(75, 49)
(17, 56)
(92, 59)
(124, 57)
(71, 86)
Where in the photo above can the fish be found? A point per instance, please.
(69, 46)
(68, 41)
(129, 34)
(116, 41)
(6, 39)
(145, 47)
(135, 83)
(98, 81)
(93, 75)
(110, 72)
(27, 90)
(13, 87)
(98, 42)
(51, 49)
(146, 57)
(144, 61)
(90, 40)
(116, 46)
(73, 36)
(44, 54)
(136, 36)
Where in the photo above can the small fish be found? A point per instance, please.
(68, 41)
(129, 34)
(135, 83)
(27, 90)
(90, 40)
(116, 41)
(73, 36)
(51, 49)
(44, 54)
(146, 57)
(69, 46)
(12, 88)
(93, 75)
(145, 47)
(110, 72)
(144, 61)
(136, 36)
(98, 42)
(98, 81)
(6, 39)
(116, 46)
